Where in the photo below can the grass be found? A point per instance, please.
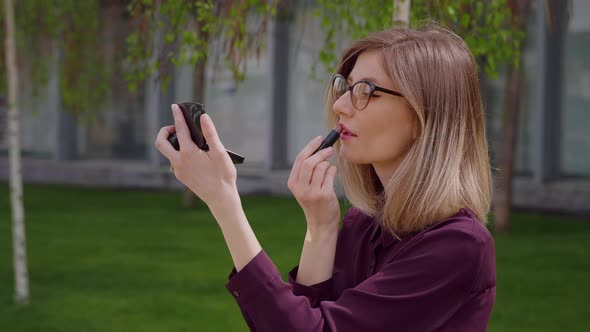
(107, 260)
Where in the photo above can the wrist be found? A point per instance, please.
(317, 257)
(321, 233)
(226, 203)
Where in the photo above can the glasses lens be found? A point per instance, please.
(361, 92)
(339, 87)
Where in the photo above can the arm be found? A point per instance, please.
(215, 183)
(312, 183)
(319, 248)
(239, 236)
(312, 180)
(317, 257)
(422, 290)
(313, 255)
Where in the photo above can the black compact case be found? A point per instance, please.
(192, 112)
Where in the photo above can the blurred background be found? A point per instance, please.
(113, 241)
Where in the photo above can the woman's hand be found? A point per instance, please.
(312, 183)
(211, 175)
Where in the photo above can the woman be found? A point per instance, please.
(413, 252)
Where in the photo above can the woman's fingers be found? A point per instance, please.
(162, 143)
(211, 136)
(182, 131)
(303, 154)
(319, 173)
(328, 183)
(308, 166)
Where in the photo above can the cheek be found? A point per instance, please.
(385, 137)
(390, 140)
(397, 144)
(380, 145)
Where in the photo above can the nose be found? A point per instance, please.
(343, 106)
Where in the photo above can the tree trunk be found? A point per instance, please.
(507, 150)
(16, 184)
(401, 12)
(508, 141)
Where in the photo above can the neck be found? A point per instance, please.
(385, 170)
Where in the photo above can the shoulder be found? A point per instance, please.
(459, 244)
(354, 219)
(462, 230)
(356, 225)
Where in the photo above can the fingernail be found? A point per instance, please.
(173, 107)
(329, 150)
(318, 138)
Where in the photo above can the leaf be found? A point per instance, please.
(169, 38)
(465, 20)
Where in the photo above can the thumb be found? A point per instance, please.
(210, 133)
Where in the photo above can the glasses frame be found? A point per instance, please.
(350, 88)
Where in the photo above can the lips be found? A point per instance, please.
(346, 131)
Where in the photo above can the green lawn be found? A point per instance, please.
(105, 260)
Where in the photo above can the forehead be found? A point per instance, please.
(369, 65)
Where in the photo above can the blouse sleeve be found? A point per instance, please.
(418, 291)
(314, 293)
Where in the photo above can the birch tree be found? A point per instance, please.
(21, 278)
(401, 12)
(87, 71)
(31, 36)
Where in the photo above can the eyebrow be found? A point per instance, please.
(366, 78)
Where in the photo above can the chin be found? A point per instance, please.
(352, 157)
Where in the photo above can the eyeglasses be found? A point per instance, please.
(360, 92)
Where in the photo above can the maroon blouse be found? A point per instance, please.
(440, 279)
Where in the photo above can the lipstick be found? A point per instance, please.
(332, 137)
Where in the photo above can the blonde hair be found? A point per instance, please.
(447, 167)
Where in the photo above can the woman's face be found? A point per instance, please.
(384, 130)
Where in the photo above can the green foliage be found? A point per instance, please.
(486, 26)
(68, 29)
(167, 33)
(86, 73)
(175, 32)
(164, 33)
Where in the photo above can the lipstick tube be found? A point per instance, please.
(332, 137)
